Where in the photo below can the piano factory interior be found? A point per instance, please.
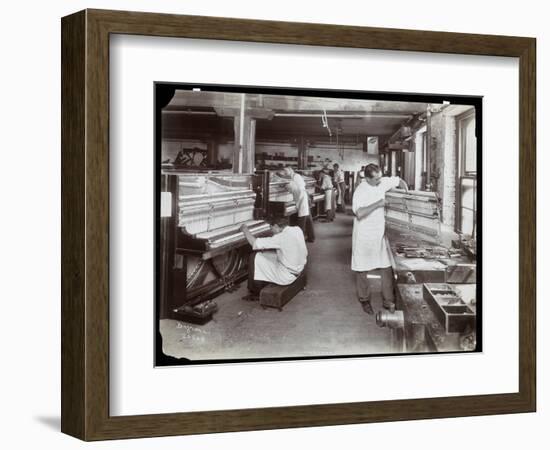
(227, 157)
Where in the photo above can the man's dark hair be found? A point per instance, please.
(280, 221)
(371, 170)
(336, 165)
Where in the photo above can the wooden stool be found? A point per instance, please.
(276, 296)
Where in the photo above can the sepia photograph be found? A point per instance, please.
(308, 224)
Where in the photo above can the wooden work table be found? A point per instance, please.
(433, 263)
(430, 263)
(422, 331)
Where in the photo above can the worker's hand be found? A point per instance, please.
(243, 228)
(381, 203)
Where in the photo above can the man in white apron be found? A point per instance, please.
(369, 250)
(327, 188)
(340, 183)
(278, 259)
(297, 187)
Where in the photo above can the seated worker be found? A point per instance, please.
(279, 259)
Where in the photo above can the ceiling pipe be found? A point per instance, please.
(346, 116)
(198, 113)
(332, 116)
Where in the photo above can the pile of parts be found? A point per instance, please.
(415, 211)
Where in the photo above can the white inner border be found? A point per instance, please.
(136, 387)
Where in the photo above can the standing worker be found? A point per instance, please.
(369, 249)
(297, 187)
(360, 177)
(327, 188)
(340, 186)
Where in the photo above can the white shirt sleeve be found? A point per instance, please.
(265, 243)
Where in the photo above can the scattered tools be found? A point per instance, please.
(432, 252)
(199, 313)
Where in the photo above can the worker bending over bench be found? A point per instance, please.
(279, 259)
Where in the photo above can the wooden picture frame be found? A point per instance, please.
(85, 224)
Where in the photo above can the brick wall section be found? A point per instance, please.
(443, 162)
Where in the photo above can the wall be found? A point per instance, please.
(443, 148)
(351, 158)
(30, 163)
(170, 148)
(443, 164)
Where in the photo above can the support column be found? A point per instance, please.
(244, 147)
(245, 138)
(302, 153)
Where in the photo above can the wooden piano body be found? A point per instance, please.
(277, 201)
(203, 252)
(281, 201)
(417, 211)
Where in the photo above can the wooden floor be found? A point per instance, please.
(323, 320)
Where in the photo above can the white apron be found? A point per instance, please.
(369, 250)
(284, 259)
(302, 203)
(328, 199)
(301, 198)
(326, 186)
(339, 181)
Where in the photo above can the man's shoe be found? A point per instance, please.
(367, 308)
(389, 306)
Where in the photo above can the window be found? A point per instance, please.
(467, 174)
(420, 159)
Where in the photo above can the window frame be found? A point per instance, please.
(461, 122)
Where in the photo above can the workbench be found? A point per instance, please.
(429, 266)
(430, 263)
(422, 331)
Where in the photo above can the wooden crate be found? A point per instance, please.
(453, 313)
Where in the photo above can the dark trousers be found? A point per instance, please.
(306, 224)
(254, 286)
(364, 290)
(341, 200)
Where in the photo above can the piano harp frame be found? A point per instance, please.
(85, 213)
